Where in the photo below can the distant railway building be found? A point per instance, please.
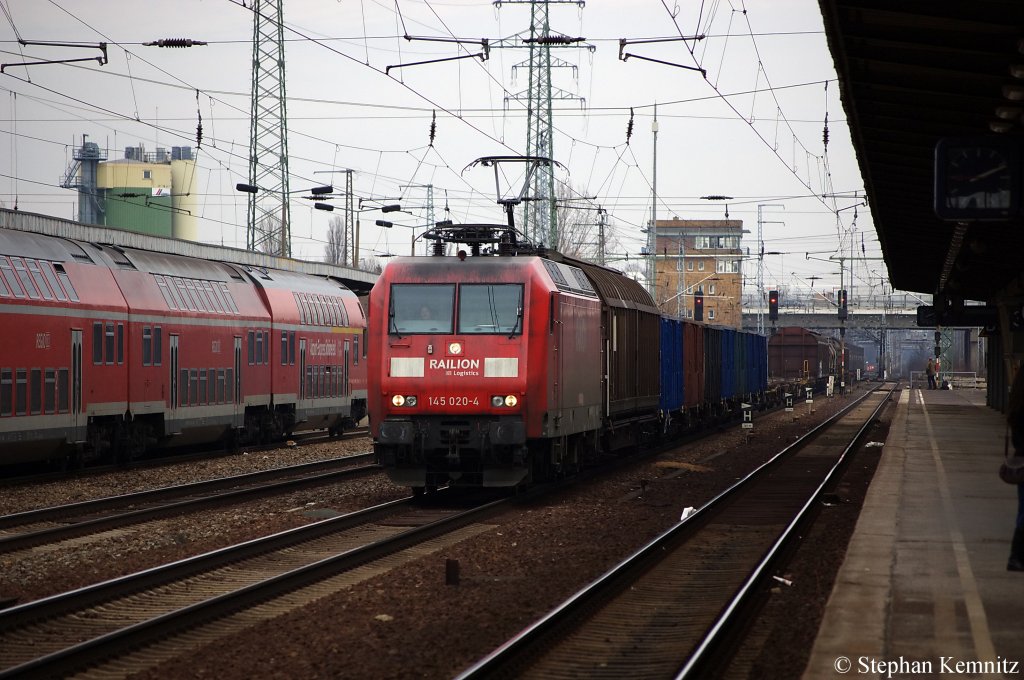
(700, 256)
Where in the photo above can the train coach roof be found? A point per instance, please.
(295, 281)
(168, 264)
(615, 288)
(40, 247)
(32, 223)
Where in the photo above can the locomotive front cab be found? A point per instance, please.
(452, 372)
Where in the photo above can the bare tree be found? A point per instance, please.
(336, 250)
(371, 264)
(270, 226)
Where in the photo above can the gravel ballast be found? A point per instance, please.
(406, 622)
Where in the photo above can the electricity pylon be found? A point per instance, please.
(540, 215)
(268, 227)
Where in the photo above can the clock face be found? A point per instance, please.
(977, 179)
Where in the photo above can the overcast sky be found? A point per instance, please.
(751, 129)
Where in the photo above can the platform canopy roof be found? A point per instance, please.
(911, 73)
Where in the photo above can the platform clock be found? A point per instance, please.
(978, 178)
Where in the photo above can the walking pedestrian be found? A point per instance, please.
(930, 372)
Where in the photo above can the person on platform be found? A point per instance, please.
(1015, 419)
(930, 372)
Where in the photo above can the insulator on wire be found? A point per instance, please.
(175, 42)
(433, 127)
(629, 126)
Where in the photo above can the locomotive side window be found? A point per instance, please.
(421, 308)
(158, 352)
(6, 384)
(490, 308)
(284, 348)
(120, 343)
(291, 348)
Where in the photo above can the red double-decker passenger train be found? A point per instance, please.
(107, 351)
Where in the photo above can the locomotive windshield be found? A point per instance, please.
(421, 308)
(490, 308)
(482, 309)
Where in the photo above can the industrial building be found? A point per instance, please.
(146, 192)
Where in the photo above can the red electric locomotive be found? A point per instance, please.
(497, 369)
(108, 350)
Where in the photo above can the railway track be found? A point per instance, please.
(62, 522)
(665, 610)
(178, 457)
(131, 623)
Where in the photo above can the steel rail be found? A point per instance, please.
(84, 654)
(21, 541)
(503, 661)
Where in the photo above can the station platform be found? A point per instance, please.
(923, 590)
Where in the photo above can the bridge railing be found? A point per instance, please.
(956, 379)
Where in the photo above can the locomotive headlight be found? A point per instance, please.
(511, 400)
(404, 400)
(455, 348)
(398, 400)
(498, 401)
(410, 400)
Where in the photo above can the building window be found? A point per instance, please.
(711, 313)
(728, 267)
(147, 174)
(689, 265)
(700, 266)
(711, 289)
